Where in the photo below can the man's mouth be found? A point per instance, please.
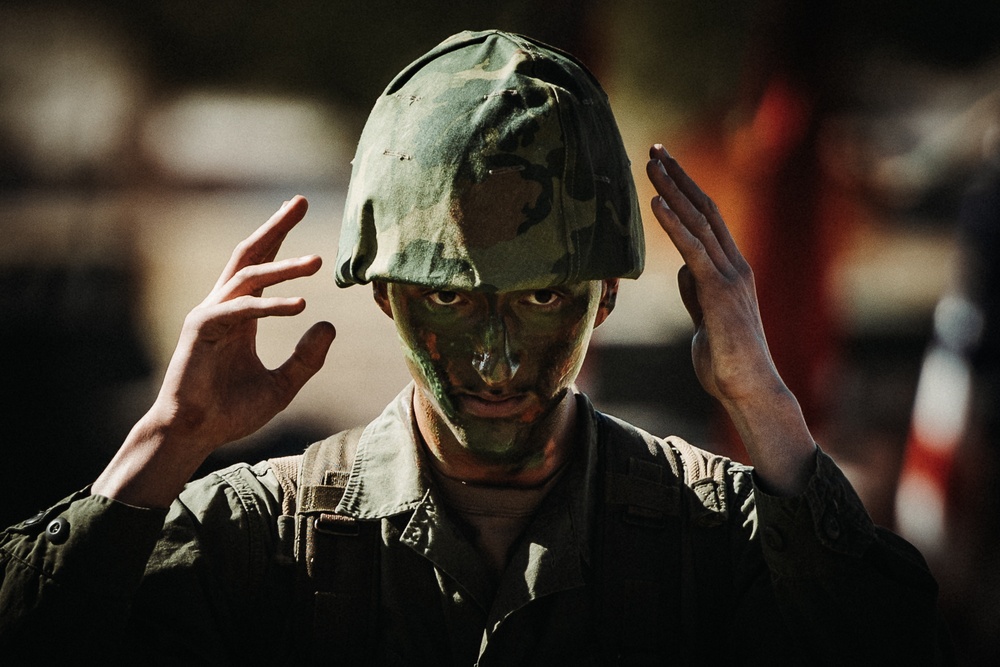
(488, 406)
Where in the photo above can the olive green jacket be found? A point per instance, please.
(767, 580)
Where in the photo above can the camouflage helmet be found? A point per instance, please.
(491, 163)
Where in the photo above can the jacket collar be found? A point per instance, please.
(390, 476)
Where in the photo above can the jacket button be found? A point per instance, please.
(57, 531)
(774, 539)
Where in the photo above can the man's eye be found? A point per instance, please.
(444, 298)
(542, 297)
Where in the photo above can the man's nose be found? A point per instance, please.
(494, 359)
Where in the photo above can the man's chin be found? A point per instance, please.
(499, 443)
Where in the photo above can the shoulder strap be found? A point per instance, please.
(638, 555)
(286, 469)
(336, 556)
(659, 497)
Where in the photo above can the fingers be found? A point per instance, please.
(689, 216)
(253, 279)
(256, 307)
(210, 323)
(263, 245)
(692, 249)
(696, 197)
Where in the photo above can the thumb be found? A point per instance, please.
(308, 357)
(689, 294)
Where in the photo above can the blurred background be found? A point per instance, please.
(853, 147)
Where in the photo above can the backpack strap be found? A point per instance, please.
(659, 495)
(336, 556)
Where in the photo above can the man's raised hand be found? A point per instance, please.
(216, 389)
(716, 285)
(729, 351)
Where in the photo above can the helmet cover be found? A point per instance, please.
(491, 163)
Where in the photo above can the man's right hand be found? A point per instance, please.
(216, 389)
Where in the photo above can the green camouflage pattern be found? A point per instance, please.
(492, 163)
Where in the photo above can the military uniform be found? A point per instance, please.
(804, 580)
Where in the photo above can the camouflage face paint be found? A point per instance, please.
(490, 368)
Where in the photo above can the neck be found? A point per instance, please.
(539, 453)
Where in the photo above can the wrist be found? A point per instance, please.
(151, 467)
(774, 431)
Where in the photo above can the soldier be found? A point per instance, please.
(490, 515)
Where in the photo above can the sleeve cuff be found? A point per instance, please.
(816, 529)
(92, 542)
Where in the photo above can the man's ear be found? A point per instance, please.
(380, 290)
(609, 295)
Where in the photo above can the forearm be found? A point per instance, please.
(776, 437)
(151, 467)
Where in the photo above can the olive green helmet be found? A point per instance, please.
(491, 163)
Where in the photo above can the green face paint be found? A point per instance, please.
(492, 367)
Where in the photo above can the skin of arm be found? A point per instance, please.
(729, 350)
(216, 389)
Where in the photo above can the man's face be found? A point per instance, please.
(491, 367)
